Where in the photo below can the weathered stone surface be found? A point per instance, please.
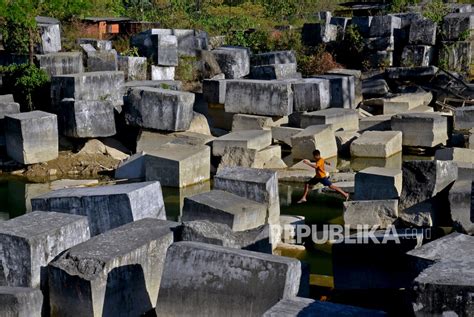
(8, 107)
(163, 84)
(406, 102)
(380, 213)
(233, 61)
(255, 184)
(160, 109)
(340, 119)
(376, 123)
(61, 63)
(178, 165)
(342, 90)
(149, 141)
(50, 35)
(417, 55)
(410, 72)
(218, 206)
(166, 50)
(104, 85)
(271, 58)
(20, 302)
(262, 97)
(423, 180)
(188, 41)
(311, 94)
(106, 207)
(461, 206)
(423, 32)
(284, 134)
(341, 24)
(31, 137)
(134, 68)
(253, 286)
(86, 118)
(275, 71)
(421, 129)
(117, 273)
(377, 144)
(464, 118)
(238, 156)
(98, 61)
(380, 59)
(204, 231)
(162, 72)
(344, 140)
(253, 122)
(455, 154)
(357, 77)
(384, 25)
(101, 45)
(444, 287)
(213, 90)
(305, 307)
(317, 33)
(248, 139)
(374, 88)
(386, 43)
(378, 183)
(29, 242)
(457, 25)
(314, 137)
(457, 56)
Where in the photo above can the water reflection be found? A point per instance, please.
(360, 163)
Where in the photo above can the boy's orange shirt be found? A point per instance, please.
(320, 172)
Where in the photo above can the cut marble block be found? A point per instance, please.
(384, 25)
(459, 155)
(457, 56)
(29, 242)
(20, 302)
(100, 61)
(178, 165)
(162, 72)
(254, 184)
(423, 32)
(406, 102)
(253, 122)
(378, 183)
(233, 61)
(342, 89)
(314, 137)
(117, 273)
(458, 26)
(238, 213)
(32, 137)
(106, 207)
(238, 156)
(134, 68)
(166, 50)
(417, 55)
(61, 63)
(311, 94)
(340, 119)
(247, 139)
(270, 58)
(258, 281)
(344, 140)
(460, 201)
(464, 118)
(421, 129)
(377, 144)
(213, 90)
(386, 43)
(380, 213)
(376, 123)
(261, 97)
(284, 134)
(159, 109)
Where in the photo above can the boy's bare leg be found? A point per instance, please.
(340, 191)
(306, 190)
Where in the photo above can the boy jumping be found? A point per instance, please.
(320, 177)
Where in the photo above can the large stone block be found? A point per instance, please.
(88, 86)
(417, 55)
(166, 50)
(247, 139)
(271, 58)
(238, 156)
(134, 67)
(284, 134)
(460, 201)
(86, 118)
(29, 242)
(317, 33)
(362, 24)
(20, 302)
(386, 43)
(262, 97)
(457, 56)
(61, 63)
(311, 94)
(101, 45)
(408, 102)
(117, 273)
(406, 73)
(32, 137)
(258, 281)
(377, 144)
(458, 155)
(233, 61)
(254, 184)
(162, 72)
(376, 123)
(106, 207)
(160, 109)
(384, 25)
(275, 71)
(342, 90)
(213, 90)
(178, 165)
(464, 118)
(421, 129)
(374, 88)
(188, 41)
(314, 137)
(253, 122)
(340, 119)
(380, 213)
(423, 32)
(164, 84)
(357, 77)
(458, 26)
(218, 206)
(378, 183)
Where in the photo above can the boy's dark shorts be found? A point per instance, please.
(315, 180)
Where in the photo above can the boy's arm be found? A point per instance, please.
(307, 162)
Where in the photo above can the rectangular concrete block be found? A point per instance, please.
(61, 63)
(284, 134)
(253, 122)
(380, 213)
(213, 90)
(262, 97)
(258, 281)
(29, 242)
(20, 302)
(233, 61)
(117, 273)
(408, 102)
(421, 129)
(105, 85)
(314, 137)
(254, 184)
(378, 183)
(274, 71)
(271, 58)
(178, 165)
(311, 94)
(342, 90)
(377, 144)
(340, 119)
(106, 207)
(98, 61)
(384, 25)
(162, 72)
(376, 123)
(238, 213)
(385, 43)
(459, 155)
(457, 56)
(457, 26)
(166, 50)
(269, 157)
(423, 32)
(32, 137)
(248, 139)
(134, 68)
(418, 55)
(464, 118)
(159, 109)
(86, 118)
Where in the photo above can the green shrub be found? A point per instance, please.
(436, 11)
